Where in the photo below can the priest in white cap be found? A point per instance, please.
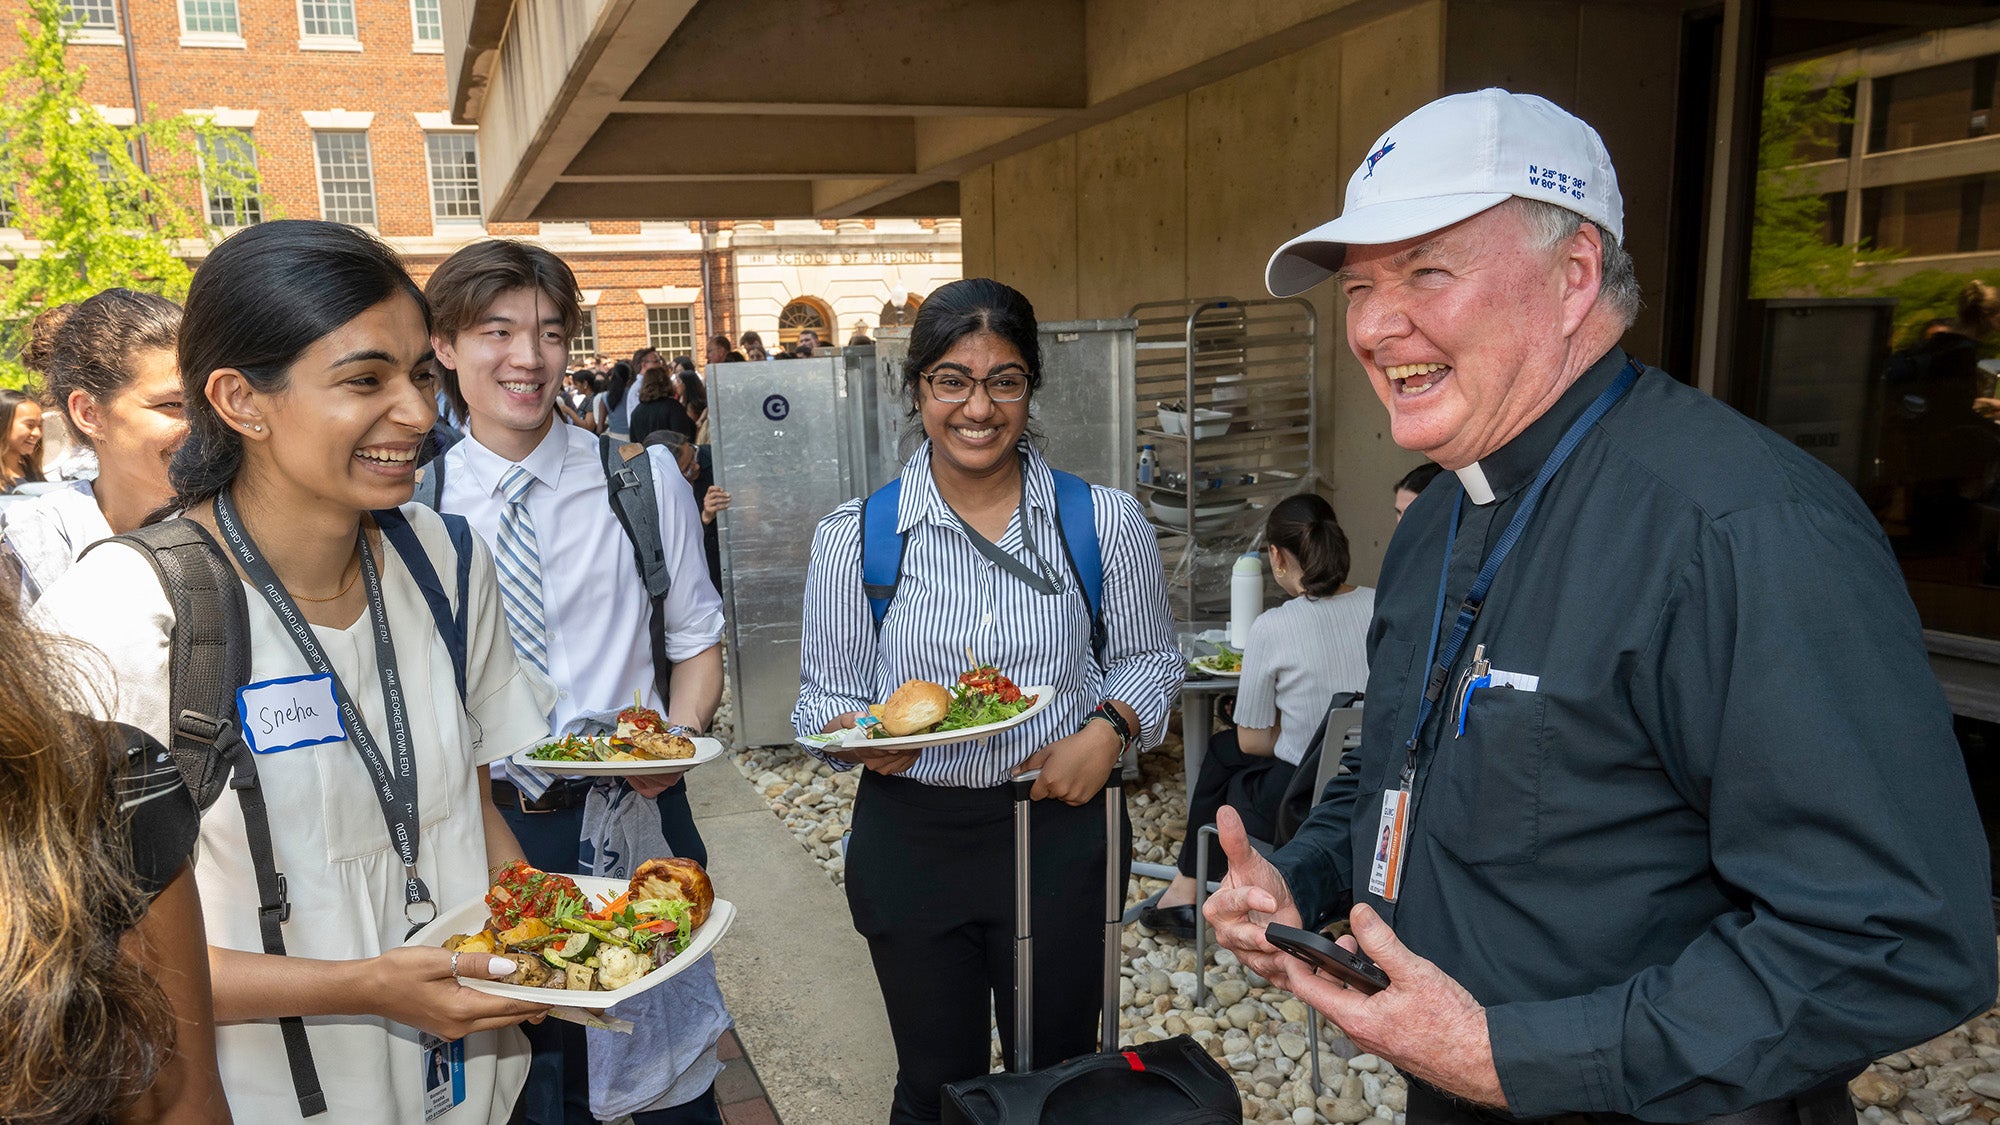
(1658, 813)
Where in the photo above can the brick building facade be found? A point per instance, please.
(345, 100)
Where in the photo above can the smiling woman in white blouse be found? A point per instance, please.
(305, 357)
(984, 571)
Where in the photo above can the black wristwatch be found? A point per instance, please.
(1110, 714)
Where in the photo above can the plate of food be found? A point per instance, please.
(920, 713)
(1227, 663)
(582, 941)
(640, 746)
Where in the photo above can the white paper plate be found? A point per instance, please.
(1044, 695)
(470, 917)
(1201, 664)
(705, 750)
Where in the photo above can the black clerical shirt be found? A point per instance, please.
(1716, 844)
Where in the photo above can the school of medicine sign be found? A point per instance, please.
(837, 257)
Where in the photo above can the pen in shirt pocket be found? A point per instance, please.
(1482, 674)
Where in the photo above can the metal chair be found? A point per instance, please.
(1341, 732)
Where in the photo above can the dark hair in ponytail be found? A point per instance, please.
(955, 311)
(1306, 526)
(258, 301)
(88, 346)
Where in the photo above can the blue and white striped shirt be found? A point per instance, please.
(951, 598)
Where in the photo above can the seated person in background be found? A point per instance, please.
(1413, 484)
(1299, 656)
(105, 981)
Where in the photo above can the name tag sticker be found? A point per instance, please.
(286, 714)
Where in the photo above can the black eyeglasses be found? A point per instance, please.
(951, 387)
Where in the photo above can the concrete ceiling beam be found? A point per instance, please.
(626, 143)
(991, 53)
(708, 199)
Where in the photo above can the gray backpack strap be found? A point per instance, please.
(209, 659)
(210, 648)
(430, 483)
(628, 476)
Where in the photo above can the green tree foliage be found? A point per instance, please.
(101, 215)
(1790, 255)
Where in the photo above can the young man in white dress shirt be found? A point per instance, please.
(504, 312)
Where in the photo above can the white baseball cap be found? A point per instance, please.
(1449, 161)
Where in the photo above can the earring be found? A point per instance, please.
(257, 429)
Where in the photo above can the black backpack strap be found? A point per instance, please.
(209, 659)
(628, 479)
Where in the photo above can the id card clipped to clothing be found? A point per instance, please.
(444, 1074)
(1385, 875)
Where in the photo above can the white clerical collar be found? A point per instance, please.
(1474, 479)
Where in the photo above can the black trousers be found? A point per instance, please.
(558, 1090)
(1251, 784)
(930, 881)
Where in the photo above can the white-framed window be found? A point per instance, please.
(228, 204)
(94, 15)
(671, 329)
(427, 25)
(583, 345)
(328, 25)
(211, 19)
(454, 165)
(7, 219)
(346, 176)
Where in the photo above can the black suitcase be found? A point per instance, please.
(1173, 1082)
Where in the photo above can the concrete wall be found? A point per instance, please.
(1189, 196)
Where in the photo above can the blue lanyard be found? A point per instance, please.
(1468, 610)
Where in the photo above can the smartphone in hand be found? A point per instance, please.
(1354, 969)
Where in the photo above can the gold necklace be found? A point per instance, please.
(343, 589)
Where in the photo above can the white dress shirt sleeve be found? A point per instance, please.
(693, 609)
(837, 650)
(1142, 664)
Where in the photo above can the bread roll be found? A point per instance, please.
(676, 879)
(917, 706)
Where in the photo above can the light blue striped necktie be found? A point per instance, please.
(520, 570)
(520, 567)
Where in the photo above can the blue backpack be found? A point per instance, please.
(1076, 528)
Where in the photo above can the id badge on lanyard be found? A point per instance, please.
(444, 1075)
(1385, 875)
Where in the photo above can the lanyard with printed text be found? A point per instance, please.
(395, 777)
(1438, 664)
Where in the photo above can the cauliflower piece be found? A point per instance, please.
(618, 967)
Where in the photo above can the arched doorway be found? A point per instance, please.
(804, 313)
(903, 314)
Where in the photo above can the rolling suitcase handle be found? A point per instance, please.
(1022, 789)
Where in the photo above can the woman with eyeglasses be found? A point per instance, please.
(1298, 657)
(985, 571)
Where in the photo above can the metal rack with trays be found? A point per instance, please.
(1244, 371)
